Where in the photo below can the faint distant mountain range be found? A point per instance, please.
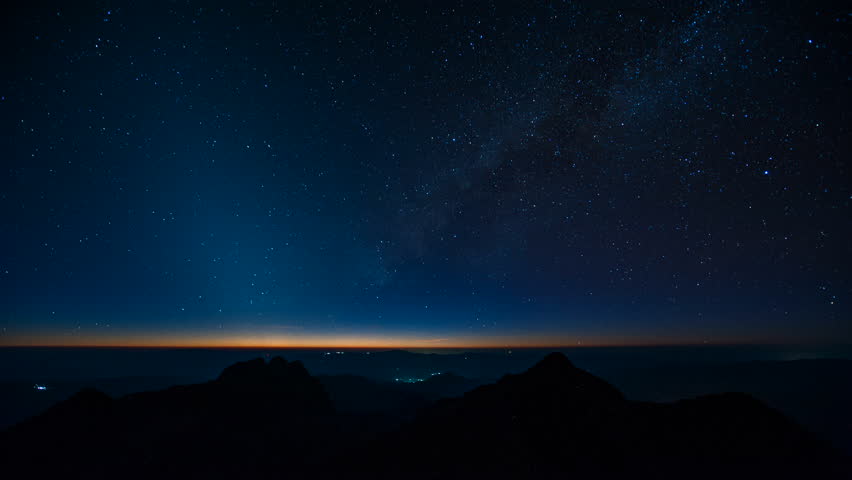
(263, 419)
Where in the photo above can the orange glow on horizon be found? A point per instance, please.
(263, 342)
(346, 342)
(286, 337)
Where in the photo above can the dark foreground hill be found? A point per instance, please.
(815, 392)
(274, 420)
(556, 419)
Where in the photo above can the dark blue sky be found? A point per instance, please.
(394, 173)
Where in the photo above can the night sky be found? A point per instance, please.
(424, 174)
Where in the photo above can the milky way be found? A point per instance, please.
(393, 173)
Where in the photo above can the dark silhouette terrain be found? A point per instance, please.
(391, 402)
(275, 420)
(815, 392)
(556, 419)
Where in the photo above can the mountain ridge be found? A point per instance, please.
(552, 419)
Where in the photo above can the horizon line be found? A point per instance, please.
(429, 347)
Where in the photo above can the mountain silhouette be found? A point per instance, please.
(237, 424)
(273, 419)
(556, 419)
(815, 392)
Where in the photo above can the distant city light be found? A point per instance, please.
(408, 380)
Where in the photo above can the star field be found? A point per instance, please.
(489, 173)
